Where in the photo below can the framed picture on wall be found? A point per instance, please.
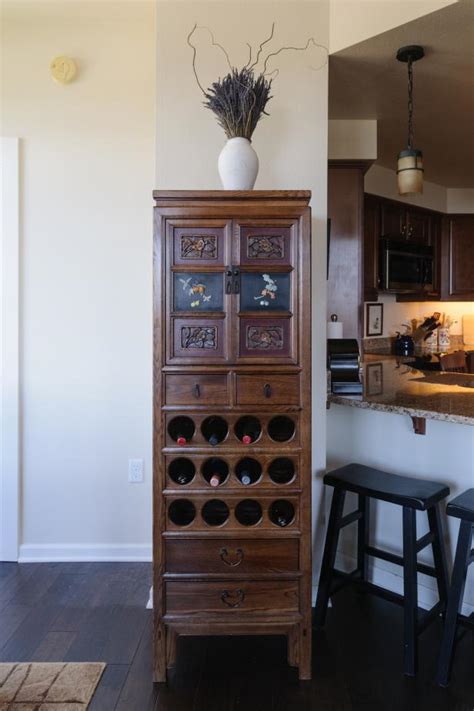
(374, 320)
(374, 379)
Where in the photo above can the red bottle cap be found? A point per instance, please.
(215, 480)
(181, 441)
(246, 439)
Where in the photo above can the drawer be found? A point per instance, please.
(199, 389)
(274, 389)
(239, 556)
(237, 596)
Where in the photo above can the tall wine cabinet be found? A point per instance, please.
(232, 419)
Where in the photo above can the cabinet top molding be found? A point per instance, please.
(170, 196)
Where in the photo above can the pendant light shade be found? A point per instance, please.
(410, 160)
(410, 171)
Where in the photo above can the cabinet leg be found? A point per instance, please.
(304, 671)
(159, 662)
(293, 646)
(171, 639)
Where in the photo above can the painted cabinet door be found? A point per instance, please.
(198, 298)
(266, 304)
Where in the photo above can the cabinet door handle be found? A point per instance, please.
(236, 280)
(233, 599)
(224, 554)
(267, 390)
(228, 280)
(197, 390)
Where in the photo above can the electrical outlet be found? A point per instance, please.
(135, 471)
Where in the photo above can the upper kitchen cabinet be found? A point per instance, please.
(457, 271)
(399, 221)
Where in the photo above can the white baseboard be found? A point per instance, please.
(85, 553)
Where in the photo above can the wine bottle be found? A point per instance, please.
(182, 479)
(181, 439)
(249, 436)
(213, 439)
(282, 513)
(215, 479)
(245, 478)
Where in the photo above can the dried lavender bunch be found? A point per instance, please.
(238, 100)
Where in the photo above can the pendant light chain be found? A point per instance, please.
(410, 103)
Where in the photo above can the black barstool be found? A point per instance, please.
(461, 507)
(413, 495)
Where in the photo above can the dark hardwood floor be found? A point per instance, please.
(96, 611)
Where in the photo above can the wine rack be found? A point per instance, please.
(232, 419)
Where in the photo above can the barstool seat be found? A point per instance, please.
(412, 495)
(402, 490)
(461, 507)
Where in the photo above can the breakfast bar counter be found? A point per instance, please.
(392, 385)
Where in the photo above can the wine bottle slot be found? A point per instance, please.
(215, 512)
(182, 512)
(181, 429)
(281, 470)
(281, 428)
(215, 471)
(181, 471)
(281, 512)
(248, 429)
(248, 512)
(248, 471)
(214, 429)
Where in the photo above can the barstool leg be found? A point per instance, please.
(439, 553)
(363, 528)
(458, 581)
(329, 557)
(410, 587)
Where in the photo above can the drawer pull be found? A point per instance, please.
(228, 598)
(197, 391)
(224, 554)
(267, 390)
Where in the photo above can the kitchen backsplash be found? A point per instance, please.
(398, 313)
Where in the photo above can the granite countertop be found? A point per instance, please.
(391, 385)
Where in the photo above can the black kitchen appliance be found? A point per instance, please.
(405, 267)
(344, 366)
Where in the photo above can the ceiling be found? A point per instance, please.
(367, 82)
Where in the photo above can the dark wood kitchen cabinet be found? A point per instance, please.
(401, 222)
(232, 419)
(457, 272)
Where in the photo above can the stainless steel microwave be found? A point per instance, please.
(405, 267)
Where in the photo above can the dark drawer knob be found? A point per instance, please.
(233, 599)
(197, 391)
(239, 556)
(267, 390)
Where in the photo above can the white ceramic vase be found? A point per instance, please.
(238, 164)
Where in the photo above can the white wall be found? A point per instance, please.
(87, 172)
(387, 441)
(291, 142)
(383, 181)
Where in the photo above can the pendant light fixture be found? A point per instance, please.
(410, 160)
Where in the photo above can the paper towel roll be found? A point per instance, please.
(334, 329)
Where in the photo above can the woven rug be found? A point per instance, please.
(48, 687)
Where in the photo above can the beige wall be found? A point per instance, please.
(352, 140)
(291, 142)
(353, 21)
(87, 172)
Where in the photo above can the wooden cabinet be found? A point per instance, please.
(403, 222)
(232, 419)
(458, 257)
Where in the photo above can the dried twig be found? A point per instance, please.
(296, 49)
(193, 47)
(261, 47)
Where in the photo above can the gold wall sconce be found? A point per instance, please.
(63, 69)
